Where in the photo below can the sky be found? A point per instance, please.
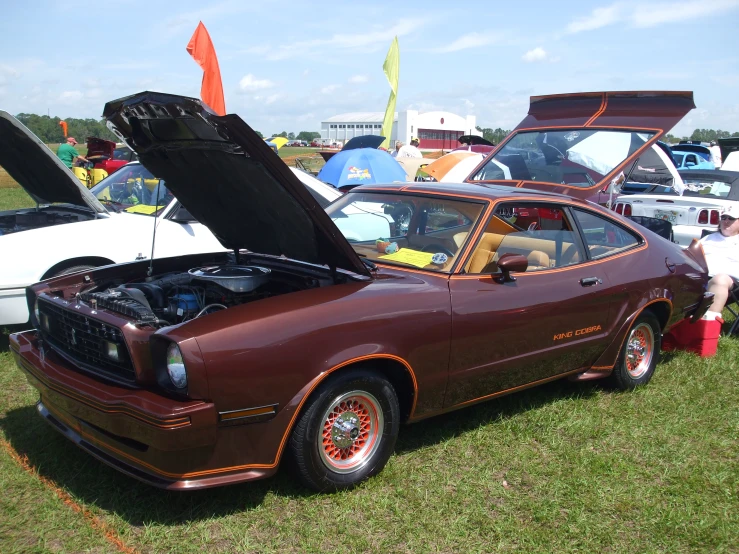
(287, 66)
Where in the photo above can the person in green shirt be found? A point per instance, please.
(67, 152)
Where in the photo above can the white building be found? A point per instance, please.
(435, 130)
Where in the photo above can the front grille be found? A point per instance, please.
(84, 341)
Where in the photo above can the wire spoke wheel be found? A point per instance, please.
(639, 350)
(639, 354)
(351, 431)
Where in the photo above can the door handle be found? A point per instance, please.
(591, 281)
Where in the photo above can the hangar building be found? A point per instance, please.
(434, 130)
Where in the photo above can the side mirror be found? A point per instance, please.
(509, 263)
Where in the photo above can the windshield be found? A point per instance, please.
(405, 229)
(575, 157)
(133, 189)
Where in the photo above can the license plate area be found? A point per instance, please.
(667, 215)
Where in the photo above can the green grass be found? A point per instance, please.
(561, 468)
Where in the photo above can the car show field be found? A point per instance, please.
(370, 279)
(561, 468)
(567, 466)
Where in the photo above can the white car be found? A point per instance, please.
(694, 214)
(73, 228)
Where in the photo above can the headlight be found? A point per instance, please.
(36, 312)
(176, 366)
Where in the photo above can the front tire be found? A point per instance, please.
(639, 355)
(347, 432)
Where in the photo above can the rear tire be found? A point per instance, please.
(639, 355)
(347, 431)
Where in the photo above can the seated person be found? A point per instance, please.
(722, 253)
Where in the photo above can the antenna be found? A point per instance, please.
(154, 234)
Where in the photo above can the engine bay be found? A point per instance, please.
(177, 297)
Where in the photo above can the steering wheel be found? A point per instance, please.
(437, 248)
(552, 154)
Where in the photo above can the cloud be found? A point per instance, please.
(470, 40)
(599, 17)
(651, 15)
(188, 21)
(645, 15)
(248, 83)
(70, 97)
(367, 40)
(358, 79)
(329, 89)
(538, 54)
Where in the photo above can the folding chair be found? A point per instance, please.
(659, 226)
(732, 304)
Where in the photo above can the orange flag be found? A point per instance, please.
(201, 49)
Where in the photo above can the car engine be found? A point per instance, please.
(179, 297)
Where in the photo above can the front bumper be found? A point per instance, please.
(165, 442)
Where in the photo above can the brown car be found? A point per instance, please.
(212, 369)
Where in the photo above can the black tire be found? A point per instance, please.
(72, 269)
(639, 354)
(329, 458)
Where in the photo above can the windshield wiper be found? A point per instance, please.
(111, 203)
(370, 264)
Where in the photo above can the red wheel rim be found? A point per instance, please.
(351, 431)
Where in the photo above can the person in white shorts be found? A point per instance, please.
(722, 253)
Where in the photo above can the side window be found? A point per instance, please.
(540, 232)
(602, 236)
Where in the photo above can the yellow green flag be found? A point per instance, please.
(391, 67)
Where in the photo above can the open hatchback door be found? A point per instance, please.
(576, 144)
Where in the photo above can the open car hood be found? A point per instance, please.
(99, 148)
(38, 170)
(229, 179)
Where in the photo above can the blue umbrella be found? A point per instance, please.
(361, 166)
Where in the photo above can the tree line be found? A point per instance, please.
(49, 131)
(302, 135)
(496, 136)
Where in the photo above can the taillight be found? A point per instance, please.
(627, 210)
(620, 208)
(714, 217)
(703, 217)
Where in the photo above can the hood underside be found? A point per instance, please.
(38, 170)
(229, 179)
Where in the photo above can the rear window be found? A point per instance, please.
(573, 157)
